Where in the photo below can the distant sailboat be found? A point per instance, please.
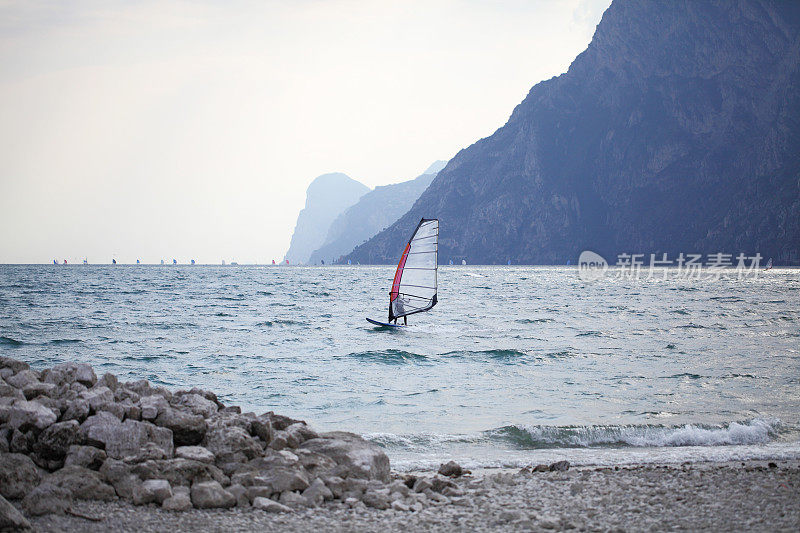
(223, 262)
(138, 262)
(162, 261)
(113, 261)
(415, 284)
(55, 261)
(451, 261)
(85, 261)
(769, 265)
(174, 261)
(463, 262)
(273, 261)
(509, 262)
(192, 261)
(65, 261)
(287, 261)
(348, 261)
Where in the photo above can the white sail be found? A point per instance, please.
(415, 282)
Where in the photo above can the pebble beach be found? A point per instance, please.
(708, 496)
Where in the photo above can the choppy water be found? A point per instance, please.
(514, 365)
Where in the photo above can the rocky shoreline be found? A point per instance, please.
(79, 452)
(67, 435)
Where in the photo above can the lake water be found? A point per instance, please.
(514, 365)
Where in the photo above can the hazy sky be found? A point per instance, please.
(192, 129)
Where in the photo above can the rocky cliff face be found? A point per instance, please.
(677, 130)
(326, 198)
(375, 211)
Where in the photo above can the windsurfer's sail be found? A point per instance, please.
(415, 282)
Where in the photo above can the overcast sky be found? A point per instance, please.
(191, 129)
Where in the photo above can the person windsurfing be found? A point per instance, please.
(414, 287)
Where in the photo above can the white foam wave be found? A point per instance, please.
(756, 431)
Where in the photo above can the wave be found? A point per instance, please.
(65, 341)
(389, 357)
(508, 356)
(8, 341)
(755, 431)
(752, 432)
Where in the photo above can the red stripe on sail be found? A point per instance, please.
(399, 274)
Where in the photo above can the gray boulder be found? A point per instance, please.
(240, 493)
(97, 397)
(211, 495)
(47, 499)
(85, 375)
(7, 391)
(25, 415)
(376, 499)
(85, 456)
(275, 479)
(97, 428)
(54, 442)
(227, 418)
(22, 379)
(76, 410)
(120, 475)
(355, 456)
(150, 451)
(196, 404)
(270, 506)
(261, 427)
(21, 442)
(317, 492)
(152, 406)
(83, 483)
(110, 381)
(38, 389)
(181, 472)
(125, 439)
(232, 444)
(187, 429)
(195, 453)
(293, 499)
(116, 409)
(451, 469)
(18, 475)
(152, 491)
(10, 518)
(315, 463)
(68, 373)
(13, 364)
(180, 501)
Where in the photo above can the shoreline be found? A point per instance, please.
(719, 496)
(78, 452)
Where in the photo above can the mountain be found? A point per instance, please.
(374, 211)
(326, 197)
(676, 130)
